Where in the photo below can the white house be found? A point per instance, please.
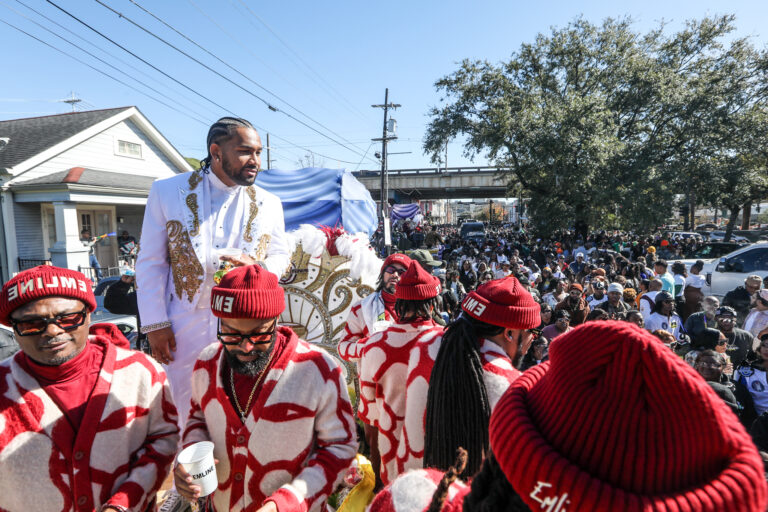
(83, 170)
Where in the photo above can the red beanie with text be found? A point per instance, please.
(41, 282)
(417, 284)
(503, 302)
(249, 291)
(616, 421)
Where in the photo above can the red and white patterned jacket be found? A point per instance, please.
(365, 318)
(383, 371)
(498, 374)
(299, 436)
(122, 452)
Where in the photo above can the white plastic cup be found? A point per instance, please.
(197, 460)
(232, 252)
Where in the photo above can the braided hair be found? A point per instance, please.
(492, 492)
(221, 131)
(410, 310)
(457, 379)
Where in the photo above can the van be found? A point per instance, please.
(472, 231)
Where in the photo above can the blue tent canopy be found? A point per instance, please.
(322, 197)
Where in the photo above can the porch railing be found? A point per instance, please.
(26, 263)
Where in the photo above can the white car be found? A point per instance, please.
(732, 269)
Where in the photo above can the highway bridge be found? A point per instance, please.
(437, 183)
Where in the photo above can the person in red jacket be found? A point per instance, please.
(275, 407)
(84, 425)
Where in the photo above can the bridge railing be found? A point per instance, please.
(430, 170)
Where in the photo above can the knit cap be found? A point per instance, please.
(615, 287)
(417, 284)
(249, 291)
(44, 281)
(503, 302)
(399, 258)
(616, 421)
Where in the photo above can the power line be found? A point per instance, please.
(102, 61)
(302, 61)
(247, 91)
(187, 38)
(85, 64)
(115, 57)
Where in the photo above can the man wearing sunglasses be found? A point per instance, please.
(739, 341)
(275, 407)
(84, 425)
(375, 312)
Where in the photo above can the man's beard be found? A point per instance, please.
(59, 360)
(249, 368)
(236, 175)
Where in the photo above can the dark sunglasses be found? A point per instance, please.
(536, 332)
(236, 338)
(394, 270)
(66, 321)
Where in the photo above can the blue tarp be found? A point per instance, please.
(404, 211)
(322, 197)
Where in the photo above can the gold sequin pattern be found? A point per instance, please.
(260, 253)
(253, 210)
(192, 205)
(186, 269)
(194, 180)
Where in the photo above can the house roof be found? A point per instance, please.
(33, 135)
(92, 178)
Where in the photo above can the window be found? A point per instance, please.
(85, 222)
(755, 260)
(126, 148)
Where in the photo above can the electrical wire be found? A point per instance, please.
(115, 57)
(88, 65)
(102, 61)
(220, 75)
(187, 38)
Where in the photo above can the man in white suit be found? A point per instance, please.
(189, 218)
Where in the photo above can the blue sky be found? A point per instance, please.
(329, 60)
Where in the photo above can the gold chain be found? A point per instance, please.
(250, 398)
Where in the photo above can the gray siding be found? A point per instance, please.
(29, 230)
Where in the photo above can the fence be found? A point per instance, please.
(26, 263)
(91, 273)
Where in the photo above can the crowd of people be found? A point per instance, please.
(516, 373)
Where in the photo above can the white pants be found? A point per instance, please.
(194, 330)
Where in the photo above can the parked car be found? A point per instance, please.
(731, 269)
(719, 236)
(711, 250)
(706, 227)
(684, 235)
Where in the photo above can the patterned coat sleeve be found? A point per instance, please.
(335, 448)
(354, 330)
(153, 461)
(278, 259)
(196, 429)
(152, 267)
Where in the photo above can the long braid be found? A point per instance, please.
(450, 476)
(492, 492)
(221, 131)
(458, 409)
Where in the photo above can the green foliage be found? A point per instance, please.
(194, 162)
(602, 126)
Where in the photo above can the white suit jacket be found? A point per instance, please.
(174, 242)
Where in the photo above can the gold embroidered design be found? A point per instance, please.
(192, 205)
(194, 180)
(185, 267)
(260, 253)
(253, 210)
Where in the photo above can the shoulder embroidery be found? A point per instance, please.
(253, 210)
(194, 179)
(192, 205)
(185, 267)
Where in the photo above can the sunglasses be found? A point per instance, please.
(394, 270)
(236, 338)
(65, 321)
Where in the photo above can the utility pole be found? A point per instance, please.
(72, 100)
(384, 210)
(269, 160)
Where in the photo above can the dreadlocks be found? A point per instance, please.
(221, 131)
(409, 310)
(458, 409)
(492, 492)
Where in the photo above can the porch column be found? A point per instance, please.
(68, 251)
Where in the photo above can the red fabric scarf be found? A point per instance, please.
(70, 384)
(389, 302)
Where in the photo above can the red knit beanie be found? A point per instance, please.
(44, 281)
(616, 421)
(417, 284)
(399, 258)
(248, 292)
(503, 302)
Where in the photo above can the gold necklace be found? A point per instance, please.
(240, 410)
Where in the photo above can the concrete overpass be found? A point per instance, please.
(437, 183)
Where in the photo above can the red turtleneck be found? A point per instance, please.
(389, 303)
(69, 384)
